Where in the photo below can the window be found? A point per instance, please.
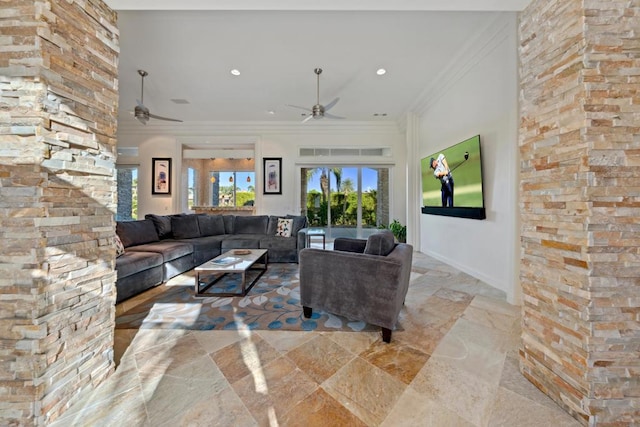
(192, 188)
(348, 201)
(232, 188)
(127, 180)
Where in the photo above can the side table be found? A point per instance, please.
(315, 232)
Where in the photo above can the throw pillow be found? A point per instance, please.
(133, 233)
(284, 227)
(381, 243)
(119, 246)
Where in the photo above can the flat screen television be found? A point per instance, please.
(452, 181)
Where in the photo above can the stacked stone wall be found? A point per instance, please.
(579, 198)
(58, 104)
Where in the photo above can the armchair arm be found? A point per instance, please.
(371, 288)
(301, 239)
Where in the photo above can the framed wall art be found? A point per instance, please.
(161, 175)
(272, 168)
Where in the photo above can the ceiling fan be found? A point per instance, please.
(319, 111)
(141, 112)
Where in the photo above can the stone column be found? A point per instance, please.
(579, 197)
(58, 105)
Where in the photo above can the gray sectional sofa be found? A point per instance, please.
(160, 247)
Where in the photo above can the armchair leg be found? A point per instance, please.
(307, 311)
(386, 335)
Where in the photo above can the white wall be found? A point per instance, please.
(483, 100)
(287, 146)
(282, 140)
(156, 146)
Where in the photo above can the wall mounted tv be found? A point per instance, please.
(452, 181)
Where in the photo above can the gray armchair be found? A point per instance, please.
(360, 279)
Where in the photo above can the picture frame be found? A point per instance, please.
(272, 169)
(459, 191)
(161, 175)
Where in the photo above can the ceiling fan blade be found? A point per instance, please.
(153, 116)
(296, 106)
(332, 116)
(142, 119)
(306, 119)
(331, 104)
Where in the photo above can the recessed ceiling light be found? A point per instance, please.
(235, 72)
(272, 112)
(381, 71)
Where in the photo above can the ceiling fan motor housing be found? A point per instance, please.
(317, 111)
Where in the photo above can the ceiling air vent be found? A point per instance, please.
(128, 151)
(345, 152)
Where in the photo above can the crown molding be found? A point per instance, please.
(489, 38)
(244, 128)
(326, 5)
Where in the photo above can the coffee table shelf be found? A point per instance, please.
(255, 260)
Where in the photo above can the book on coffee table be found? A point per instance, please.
(226, 260)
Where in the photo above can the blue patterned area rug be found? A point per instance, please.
(272, 304)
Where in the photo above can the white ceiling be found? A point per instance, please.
(189, 55)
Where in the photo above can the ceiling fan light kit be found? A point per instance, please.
(319, 111)
(141, 112)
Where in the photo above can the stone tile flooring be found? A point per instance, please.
(453, 364)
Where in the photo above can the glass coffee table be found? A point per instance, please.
(236, 261)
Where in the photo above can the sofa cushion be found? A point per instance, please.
(256, 224)
(277, 243)
(272, 225)
(185, 227)
(210, 225)
(132, 262)
(242, 241)
(228, 223)
(169, 249)
(299, 222)
(206, 242)
(134, 233)
(284, 227)
(381, 243)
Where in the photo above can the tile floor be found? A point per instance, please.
(453, 364)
